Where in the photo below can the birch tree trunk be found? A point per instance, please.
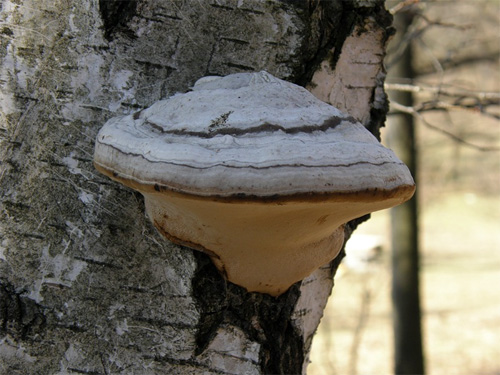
(86, 283)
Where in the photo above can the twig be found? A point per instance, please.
(455, 92)
(464, 99)
(457, 61)
(403, 4)
(438, 67)
(476, 108)
(416, 114)
(443, 24)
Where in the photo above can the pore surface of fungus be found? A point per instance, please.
(254, 171)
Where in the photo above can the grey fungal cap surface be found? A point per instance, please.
(247, 134)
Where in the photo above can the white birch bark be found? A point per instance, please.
(87, 285)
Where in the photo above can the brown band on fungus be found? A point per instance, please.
(330, 123)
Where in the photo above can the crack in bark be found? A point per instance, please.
(86, 372)
(161, 323)
(98, 263)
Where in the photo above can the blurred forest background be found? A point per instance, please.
(456, 93)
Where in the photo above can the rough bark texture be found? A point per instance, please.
(86, 283)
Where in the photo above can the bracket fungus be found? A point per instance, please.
(254, 171)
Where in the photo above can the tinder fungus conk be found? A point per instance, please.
(254, 171)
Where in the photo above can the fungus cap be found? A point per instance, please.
(256, 172)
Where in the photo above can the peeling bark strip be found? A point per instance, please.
(353, 71)
(121, 299)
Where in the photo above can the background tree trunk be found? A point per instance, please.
(87, 285)
(408, 348)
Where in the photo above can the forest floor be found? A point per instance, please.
(460, 281)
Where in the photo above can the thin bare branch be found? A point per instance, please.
(458, 61)
(410, 110)
(449, 91)
(436, 64)
(475, 108)
(402, 5)
(430, 22)
(458, 98)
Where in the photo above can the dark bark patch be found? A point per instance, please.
(20, 317)
(322, 21)
(115, 15)
(264, 319)
(7, 31)
(209, 290)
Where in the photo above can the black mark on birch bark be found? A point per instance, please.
(264, 319)
(20, 316)
(115, 15)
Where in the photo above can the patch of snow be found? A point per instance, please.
(362, 252)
